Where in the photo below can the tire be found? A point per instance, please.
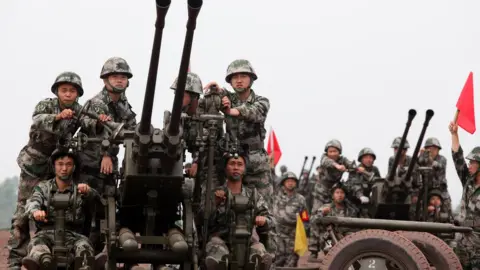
(438, 253)
(379, 242)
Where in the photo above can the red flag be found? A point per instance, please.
(273, 148)
(465, 117)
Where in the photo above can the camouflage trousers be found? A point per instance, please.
(321, 195)
(20, 232)
(43, 242)
(467, 248)
(285, 255)
(217, 249)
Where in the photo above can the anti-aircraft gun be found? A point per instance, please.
(391, 241)
(152, 185)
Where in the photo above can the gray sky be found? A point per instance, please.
(332, 69)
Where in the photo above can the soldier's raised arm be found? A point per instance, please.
(457, 155)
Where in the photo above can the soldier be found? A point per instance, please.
(235, 169)
(436, 210)
(38, 208)
(332, 166)
(360, 182)
(339, 207)
(246, 112)
(53, 118)
(99, 166)
(468, 249)
(429, 156)
(287, 205)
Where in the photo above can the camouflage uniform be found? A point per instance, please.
(43, 240)
(468, 249)
(360, 183)
(249, 129)
(217, 248)
(285, 210)
(44, 135)
(92, 154)
(322, 192)
(439, 166)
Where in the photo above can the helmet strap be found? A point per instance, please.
(115, 89)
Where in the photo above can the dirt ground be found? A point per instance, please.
(4, 235)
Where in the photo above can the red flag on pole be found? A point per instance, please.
(273, 148)
(465, 116)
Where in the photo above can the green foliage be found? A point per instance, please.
(8, 200)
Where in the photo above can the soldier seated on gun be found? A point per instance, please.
(339, 207)
(39, 207)
(216, 248)
(436, 210)
(287, 205)
(332, 167)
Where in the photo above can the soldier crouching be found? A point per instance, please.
(39, 207)
(287, 204)
(220, 220)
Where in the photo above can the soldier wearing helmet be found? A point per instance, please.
(287, 205)
(235, 169)
(111, 105)
(468, 249)
(332, 165)
(38, 208)
(360, 182)
(246, 113)
(53, 119)
(430, 157)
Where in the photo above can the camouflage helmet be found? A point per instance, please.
(432, 142)
(288, 175)
(188, 165)
(193, 84)
(396, 143)
(334, 143)
(61, 152)
(71, 78)
(240, 66)
(435, 192)
(283, 168)
(115, 65)
(366, 151)
(338, 185)
(474, 154)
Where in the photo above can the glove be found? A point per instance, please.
(364, 200)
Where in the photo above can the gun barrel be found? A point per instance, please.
(392, 225)
(146, 118)
(428, 117)
(193, 11)
(391, 173)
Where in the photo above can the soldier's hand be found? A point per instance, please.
(193, 170)
(326, 210)
(40, 215)
(83, 188)
(414, 199)
(219, 196)
(453, 127)
(340, 167)
(65, 114)
(106, 167)
(209, 85)
(431, 208)
(361, 169)
(260, 221)
(226, 103)
(104, 118)
(422, 150)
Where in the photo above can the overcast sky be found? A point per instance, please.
(349, 70)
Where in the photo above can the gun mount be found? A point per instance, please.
(389, 198)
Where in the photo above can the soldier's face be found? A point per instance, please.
(187, 99)
(333, 153)
(368, 160)
(240, 80)
(290, 184)
(472, 166)
(117, 80)
(433, 151)
(435, 201)
(64, 167)
(404, 152)
(235, 169)
(67, 93)
(338, 195)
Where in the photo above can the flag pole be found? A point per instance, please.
(455, 118)
(271, 147)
